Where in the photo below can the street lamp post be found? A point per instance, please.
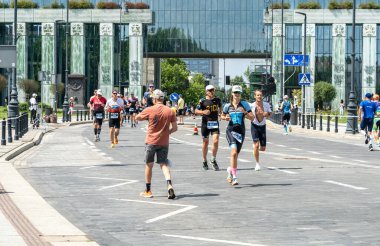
(282, 49)
(304, 66)
(352, 107)
(13, 110)
(65, 104)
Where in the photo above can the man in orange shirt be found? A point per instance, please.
(160, 118)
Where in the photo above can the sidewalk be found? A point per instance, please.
(25, 217)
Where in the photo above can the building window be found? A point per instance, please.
(323, 53)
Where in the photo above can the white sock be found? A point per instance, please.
(213, 158)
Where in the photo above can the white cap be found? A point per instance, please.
(210, 87)
(34, 95)
(286, 97)
(237, 88)
(158, 94)
(99, 92)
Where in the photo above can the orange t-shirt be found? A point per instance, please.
(160, 117)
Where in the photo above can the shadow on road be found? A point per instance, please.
(196, 195)
(258, 185)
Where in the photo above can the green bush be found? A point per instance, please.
(309, 5)
(139, 5)
(25, 4)
(80, 4)
(278, 6)
(55, 5)
(370, 5)
(107, 5)
(4, 5)
(29, 86)
(324, 93)
(333, 4)
(23, 107)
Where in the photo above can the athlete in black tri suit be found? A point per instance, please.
(133, 103)
(210, 109)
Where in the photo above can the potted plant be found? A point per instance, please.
(107, 5)
(309, 5)
(4, 5)
(25, 4)
(370, 5)
(80, 4)
(333, 4)
(139, 5)
(279, 6)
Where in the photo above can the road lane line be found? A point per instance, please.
(109, 179)
(89, 142)
(164, 216)
(345, 185)
(297, 149)
(361, 161)
(314, 152)
(243, 160)
(87, 167)
(117, 185)
(335, 156)
(280, 145)
(212, 240)
(285, 171)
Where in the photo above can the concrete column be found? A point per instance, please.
(136, 46)
(106, 65)
(310, 50)
(276, 59)
(22, 59)
(47, 61)
(339, 63)
(77, 64)
(369, 59)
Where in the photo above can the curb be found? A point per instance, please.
(25, 146)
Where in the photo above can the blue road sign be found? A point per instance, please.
(304, 79)
(174, 97)
(295, 60)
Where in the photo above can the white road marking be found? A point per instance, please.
(212, 240)
(280, 145)
(361, 161)
(188, 134)
(345, 185)
(96, 150)
(89, 142)
(297, 149)
(243, 160)
(102, 154)
(335, 156)
(285, 171)
(164, 216)
(269, 142)
(87, 167)
(113, 186)
(314, 152)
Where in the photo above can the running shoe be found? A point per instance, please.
(116, 140)
(290, 129)
(370, 147)
(229, 176)
(257, 167)
(96, 138)
(171, 194)
(146, 194)
(235, 182)
(214, 165)
(366, 140)
(205, 166)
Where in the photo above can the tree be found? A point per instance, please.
(238, 80)
(324, 93)
(196, 90)
(29, 86)
(173, 75)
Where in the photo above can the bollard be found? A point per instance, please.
(85, 115)
(17, 126)
(315, 122)
(81, 115)
(20, 127)
(77, 116)
(3, 124)
(311, 121)
(336, 124)
(328, 123)
(308, 121)
(26, 122)
(299, 118)
(303, 121)
(320, 122)
(9, 131)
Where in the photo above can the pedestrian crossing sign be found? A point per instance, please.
(304, 79)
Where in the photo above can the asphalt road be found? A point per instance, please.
(310, 192)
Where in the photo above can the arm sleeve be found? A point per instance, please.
(246, 106)
(225, 109)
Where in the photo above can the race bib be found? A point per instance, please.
(114, 115)
(131, 110)
(237, 136)
(212, 125)
(99, 115)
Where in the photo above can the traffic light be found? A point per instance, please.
(228, 80)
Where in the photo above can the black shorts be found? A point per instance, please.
(132, 110)
(180, 111)
(114, 120)
(206, 131)
(160, 151)
(98, 118)
(235, 136)
(286, 117)
(366, 123)
(259, 133)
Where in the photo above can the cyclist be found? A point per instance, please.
(210, 108)
(235, 112)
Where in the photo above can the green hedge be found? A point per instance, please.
(370, 5)
(309, 5)
(107, 5)
(4, 5)
(55, 5)
(80, 4)
(278, 6)
(340, 5)
(25, 4)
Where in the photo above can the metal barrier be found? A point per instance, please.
(19, 129)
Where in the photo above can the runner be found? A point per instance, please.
(90, 106)
(286, 108)
(160, 118)
(133, 103)
(97, 104)
(367, 110)
(235, 112)
(376, 122)
(122, 116)
(210, 108)
(148, 96)
(114, 107)
(181, 106)
(261, 110)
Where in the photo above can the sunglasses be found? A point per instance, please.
(114, 93)
(151, 86)
(237, 92)
(212, 90)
